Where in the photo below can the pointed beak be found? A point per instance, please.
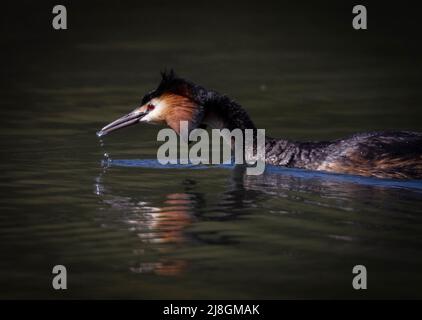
(125, 121)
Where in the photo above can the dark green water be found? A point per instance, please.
(141, 232)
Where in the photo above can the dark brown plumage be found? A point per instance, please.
(376, 154)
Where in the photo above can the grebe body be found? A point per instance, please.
(386, 154)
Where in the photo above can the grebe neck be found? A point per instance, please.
(223, 113)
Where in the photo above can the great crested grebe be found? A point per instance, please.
(386, 154)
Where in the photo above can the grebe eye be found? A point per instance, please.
(150, 107)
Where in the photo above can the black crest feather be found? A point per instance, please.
(171, 83)
(167, 77)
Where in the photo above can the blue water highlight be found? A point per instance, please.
(270, 170)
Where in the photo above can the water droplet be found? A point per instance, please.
(99, 133)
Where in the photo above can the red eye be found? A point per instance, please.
(150, 107)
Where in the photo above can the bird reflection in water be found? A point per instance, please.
(160, 228)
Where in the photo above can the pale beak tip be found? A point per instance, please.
(125, 121)
(100, 133)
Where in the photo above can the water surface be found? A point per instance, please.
(131, 229)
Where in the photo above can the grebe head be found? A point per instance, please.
(174, 100)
